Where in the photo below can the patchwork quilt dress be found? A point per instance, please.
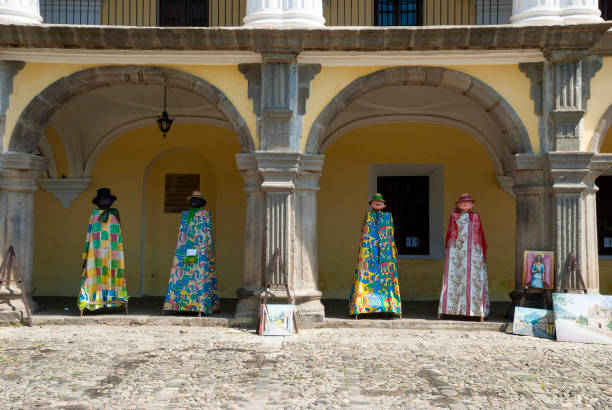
(375, 285)
(465, 289)
(193, 284)
(103, 278)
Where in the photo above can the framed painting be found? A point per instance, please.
(534, 322)
(539, 269)
(583, 318)
(276, 320)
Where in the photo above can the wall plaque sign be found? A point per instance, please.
(178, 187)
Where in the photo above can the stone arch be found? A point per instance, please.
(513, 137)
(36, 115)
(600, 132)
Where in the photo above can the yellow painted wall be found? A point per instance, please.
(343, 200)
(600, 101)
(507, 80)
(60, 233)
(35, 77)
(59, 152)
(160, 245)
(605, 266)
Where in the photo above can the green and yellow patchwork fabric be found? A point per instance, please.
(103, 277)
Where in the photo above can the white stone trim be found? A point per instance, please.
(20, 12)
(284, 13)
(547, 12)
(435, 172)
(65, 189)
(437, 58)
(142, 57)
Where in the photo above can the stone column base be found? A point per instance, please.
(12, 308)
(308, 306)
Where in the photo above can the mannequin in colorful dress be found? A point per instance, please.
(375, 285)
(193, 285)
(103, 283)
(465, 290)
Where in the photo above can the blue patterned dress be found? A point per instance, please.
(193, 284)
(375, 285)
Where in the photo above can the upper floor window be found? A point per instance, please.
(398, 12)
(408, 201)
(183, 13)
(606, 9)
(604, 215)
(70, 11)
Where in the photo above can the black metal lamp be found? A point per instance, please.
(164, 121)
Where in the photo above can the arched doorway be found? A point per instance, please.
(440, 125)
(601, 142)
(160, 220)
(103, 119)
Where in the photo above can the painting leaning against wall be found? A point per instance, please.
(534, 322)
(583, 318)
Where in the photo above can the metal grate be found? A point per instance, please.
(398, 12)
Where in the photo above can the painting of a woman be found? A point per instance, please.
(537, 273)
(538, 269)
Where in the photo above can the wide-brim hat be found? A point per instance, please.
(103, 193)
(196, 194)
(377, 197)
(465, 198)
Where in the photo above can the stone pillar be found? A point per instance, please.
(20, 12)
(574, 215)
(546, 12)
(305, 280)
(252, 279)
(19, 173)
(281, 213)
(284, 13)
(530, 189)
(281, 187)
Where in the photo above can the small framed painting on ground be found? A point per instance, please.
(276, 320)
(539, 269)
(583, 318)
(534, 322)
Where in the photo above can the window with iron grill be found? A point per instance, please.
(604, 215)
(398, 12)
(183, 13)
(408, 201)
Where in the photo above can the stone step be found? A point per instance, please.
(120, 319)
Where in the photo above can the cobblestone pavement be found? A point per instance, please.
(189, 367)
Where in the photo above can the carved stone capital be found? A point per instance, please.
(20, 171)
(65, 189)
(278, 170)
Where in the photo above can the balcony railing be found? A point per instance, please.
(229, 13)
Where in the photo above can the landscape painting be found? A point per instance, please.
(583, 318)
(534, 322)
(277, 320)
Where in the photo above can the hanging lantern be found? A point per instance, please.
(164, 121)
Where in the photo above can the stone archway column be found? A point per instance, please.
(19, 172)
(574, 215)
(532, 228)
(555, 210)
(305, 278)
(281, 213)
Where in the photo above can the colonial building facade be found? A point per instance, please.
(290, 126)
